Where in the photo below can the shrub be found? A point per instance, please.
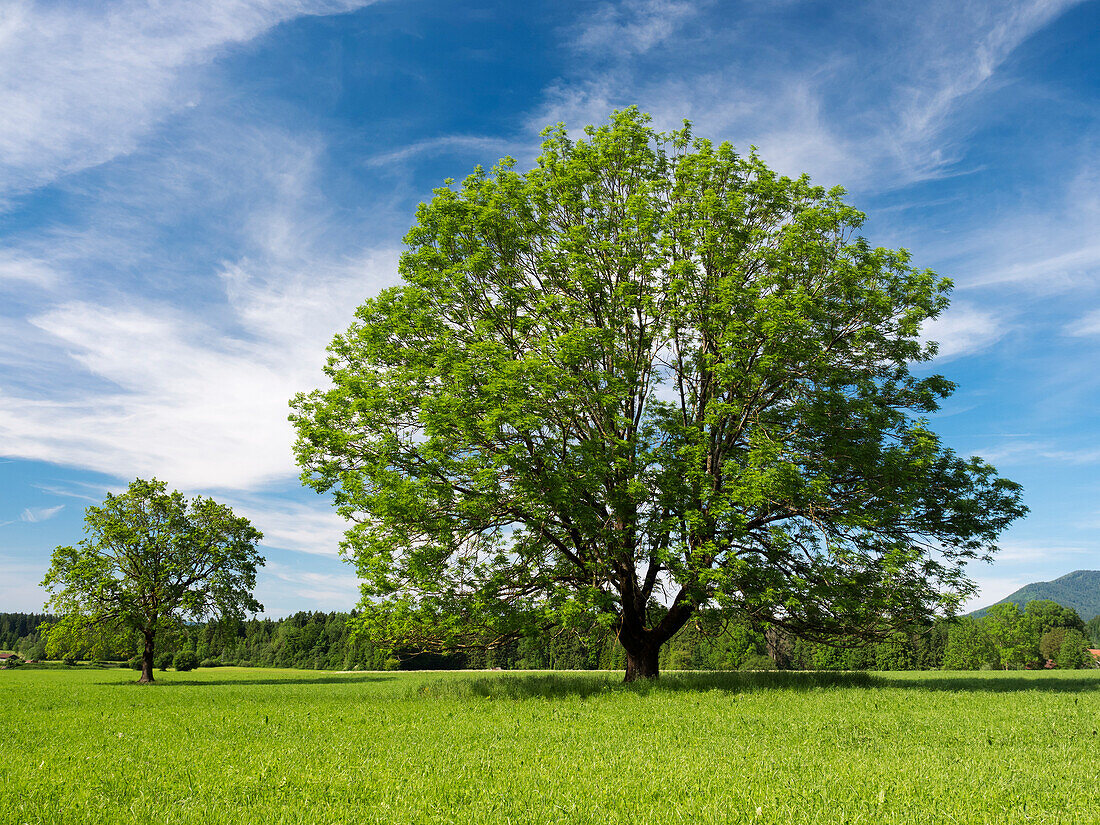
(185, 660)
(134, 663)
(210, 663)
(164, 661)
(756, 661)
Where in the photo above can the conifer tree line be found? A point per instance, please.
(1044, 634)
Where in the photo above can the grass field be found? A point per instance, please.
(277, 746)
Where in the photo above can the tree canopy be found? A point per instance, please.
(647, 376)
(150, 559)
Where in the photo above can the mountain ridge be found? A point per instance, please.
(1079, 590)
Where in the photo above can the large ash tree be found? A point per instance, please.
(649, 376)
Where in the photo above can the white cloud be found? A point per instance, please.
(781, 114)
(1025, 451)
(84, 82)
(1023, 552)
(964, 330)
(34, 515)
(631, 26)
(491, 148)
(192, 390)
(83, 491)
(892, 125)
(345, 583)
(1029, 256)
(24, 271)
(1087, 325)
(305, 528)
(951, 50)
(1046, 245)
(181, 400)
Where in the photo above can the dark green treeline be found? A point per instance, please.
(1043, 635)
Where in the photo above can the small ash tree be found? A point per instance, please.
(151, 559)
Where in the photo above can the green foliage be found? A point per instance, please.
(1092, 631)
(21, 633)
(1017, 644)
(210, 663)
(647, 377)
(1073, 652)
(164, 661)
(1050, 643)
(185, 660)
(327, 641)
(301, 747)
(134, 663)
(1045, 615)
(894, 654)
(970, 647)
(151, 560)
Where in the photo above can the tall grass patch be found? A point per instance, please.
(256, 745)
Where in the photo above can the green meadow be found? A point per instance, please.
(282, 746)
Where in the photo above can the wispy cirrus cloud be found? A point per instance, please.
(23, 271)
(449, 144)
(943, 53)
(814, 105)
(84, 82)
(190, 381)
(632, 26)
(1020, 552)
(179, 400)
(1019, 451)
(1087, 325)
(338, 590)
(33, 515)
(964, 330)
(312, 528)
(82, 491)
(1045, 245)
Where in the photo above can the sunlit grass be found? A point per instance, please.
(279, 746)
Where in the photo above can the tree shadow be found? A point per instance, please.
(1014, 681)
(584, 685)
(330, 679)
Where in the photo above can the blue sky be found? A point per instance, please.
(195, 195)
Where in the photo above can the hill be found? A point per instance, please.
(1079, 590)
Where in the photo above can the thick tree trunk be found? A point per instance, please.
(641, 663)
(147, 661)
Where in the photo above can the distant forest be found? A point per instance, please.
(1044, 634)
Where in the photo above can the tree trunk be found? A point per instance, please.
(641, 663)
(147, 661)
